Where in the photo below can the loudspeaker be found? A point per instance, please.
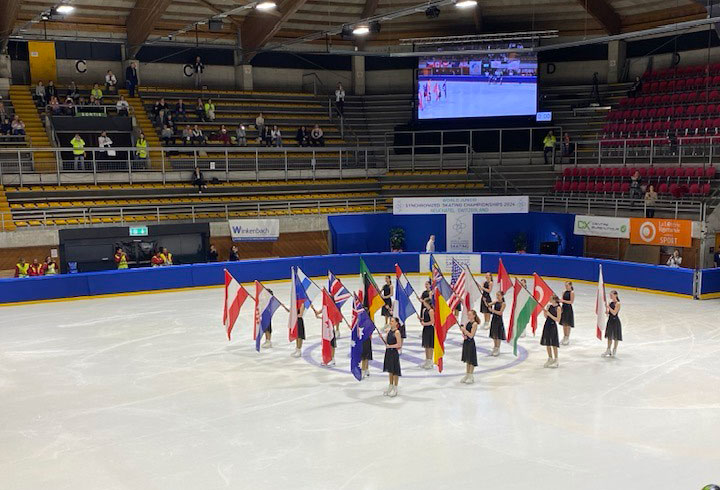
(549, 248)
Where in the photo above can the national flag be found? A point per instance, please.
(455, 272)
(459, 286)
(542, 294)
(362, 329)
(371, 294)
(473, 294)
(523, 306)
(265, 306)
(298, 297)
(600, 306)
(311, 289)
(440, 283)
(504, 281)
(235, 296)
(331, 317)
(339, 293)
(402, 307)
(403, 282)
(444, 319)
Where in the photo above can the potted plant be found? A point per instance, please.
(520, 241)
(397, 239)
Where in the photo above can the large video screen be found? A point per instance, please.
(482, 85)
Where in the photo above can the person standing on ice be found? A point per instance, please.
(613, 329)
(428, 332)
(268, 333)
(387, 295)
(486, 288)
(567, 320)
(497, 326)
(300, 331)
(469, 351)
(391, 364)
(549, 336)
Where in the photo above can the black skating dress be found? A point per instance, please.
(613, 330)
(428, 332)
(567, 317)
(497, 327)
(392, 357)
(387, 307)
(469, 353)
(485, 297)
(550, 330)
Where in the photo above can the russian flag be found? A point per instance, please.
(265, 306)
(311, 289)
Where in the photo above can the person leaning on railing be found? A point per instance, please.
(22, 268)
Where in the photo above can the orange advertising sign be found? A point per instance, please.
(668, 232)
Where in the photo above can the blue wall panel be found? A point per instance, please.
(710, 281)
(363, 233)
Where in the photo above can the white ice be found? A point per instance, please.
(481, 99)
(145, 392)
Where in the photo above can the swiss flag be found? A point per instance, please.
(235, 296)
(542, 294)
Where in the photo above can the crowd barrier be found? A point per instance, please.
(632, 275)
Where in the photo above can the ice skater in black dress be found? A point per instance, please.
(567, 320)
(497, 326)
(387, 295)
(268, 332)
(469, 353)
(300, 331)
(549, 338)
(613, 330)
(486, 288)
(426, 295)
(391, 365)
(428, 332)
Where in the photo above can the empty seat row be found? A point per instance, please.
(671, 99)
(670, 86)
(677, 190)
(672, 112)
(708, 172)
(682, 72)
(661, 128)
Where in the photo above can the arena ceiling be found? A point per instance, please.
(141, 21)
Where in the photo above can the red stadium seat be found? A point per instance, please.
(616, 187)
(710, 172)
(662, 112)
(657, 100)
(692, 97)
(705, 189)
(607, 186)
(616, 172)
(701, 110)
(652, 172)
(574, 186)
(694, 189)
(567, 172)
(558, 187)
(652, 113)
(678, 112)
(663, 188)
(699, 173)
(566, 186)
(662, 87)
(643, 171)
(671, 86)
(643, 113)
(575, 172)
(680, 85)
(625, 172)
(688, 172)
(582, 186)
(583, 172)
(690, 112)
(625, 187)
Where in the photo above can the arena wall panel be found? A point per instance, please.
(710, 284)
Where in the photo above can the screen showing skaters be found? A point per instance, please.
(549, 336)
(391, 364)
(497, 326)
(567, 320)
(613, 330)
(469, 352)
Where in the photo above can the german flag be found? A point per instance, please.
(371, 294)
(444, 319)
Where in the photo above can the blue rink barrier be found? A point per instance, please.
(642, 276)
(710, 284)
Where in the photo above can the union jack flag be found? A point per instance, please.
(338, 292)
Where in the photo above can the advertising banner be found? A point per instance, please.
(243, 230)
(665, 232)
(605, 226)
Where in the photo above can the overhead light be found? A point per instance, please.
(65, 9)
(267, 5)
(432, 12)
(466, 4)
(361, 30)
(45, 16)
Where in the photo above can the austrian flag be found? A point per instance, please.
(235, 296)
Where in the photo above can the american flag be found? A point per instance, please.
(455, 272)
(338, 292)
(458, 284)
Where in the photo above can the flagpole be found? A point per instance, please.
(244, 288)
(273, 295)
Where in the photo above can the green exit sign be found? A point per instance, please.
(138, 231)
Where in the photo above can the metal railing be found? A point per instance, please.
(617, 206)
(686, 150)
(86, 110)
(449, 157)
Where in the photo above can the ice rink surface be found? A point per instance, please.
(145, 392)
(481, 99)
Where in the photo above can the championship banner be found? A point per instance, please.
(604, 226)
(667, 232)
(242, 230)
(445, 261)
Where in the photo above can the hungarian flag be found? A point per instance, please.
(298, 297)
(235, 296)
(371, 294)
(265, 306)
(444, 319)
(504, 281)
(472, 294)
(331, 317)
(600, 306)
(542, 294)
(522, 309)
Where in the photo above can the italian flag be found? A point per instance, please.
(523, 306)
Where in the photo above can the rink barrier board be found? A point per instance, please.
(710, 284)
(656, 279)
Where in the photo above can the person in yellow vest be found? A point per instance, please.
(78, 145)
(121, 259)
(166, 256)
(549, 147)
(21, 268)
(141, 149)
(50, 267)
(97, 93)
(209, 110)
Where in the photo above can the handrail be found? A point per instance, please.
(673, 206)
(316, 77)
(106, 108)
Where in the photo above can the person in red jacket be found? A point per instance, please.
(22, 268)
(157, 260)
(49, 267)
(35, 269)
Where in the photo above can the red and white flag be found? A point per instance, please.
(504, 281)
(331, 316)
(542, 294)
(235, 296)
(600, 306)
(472, 293)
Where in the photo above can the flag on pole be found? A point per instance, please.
(235, 296)
(472, 294)
(440, 283)
(371, 294)
(459, 286)
(311, 289)
(402, 281)
(542, 294)
(402, 306)
(331, 317)
(504, 281)
(522, 309)
(455, 272)
(444, 319)
(298, 297)
(362, 329)
(600, 306)
(265, 306)
(339, 293)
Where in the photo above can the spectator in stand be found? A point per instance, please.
(180, 111)
(241, 135)
(200, 110)
(650, 198)
(636, 88)
(159, 110)
(198, 69)
(131, 78)
(340, 99)
(5, 127)
(35, 269)
(21, 268)
(635, 187)
(141, 150)
(49, 267)
(198, 180)
(123, 108)
(223, 135)
(197, 136)
(72, 91)
(169, 120)
(276, 135)
(110, 82)
(69, 106)
(267, 139)
(675, 259)
(97, 93)
(121, 258)
(94, 101)
(549, 147)
(212, 254)
(260, 126)
(50, 90)
(568, 147)
(55, 106)
(187, 135)
(78, 145)
(40, 96)
(209, 110)
(430, 245)
(18, 127)
(167, 135)
(166, 256)
(157, 260)
(234, 255)
(105, 142)
(302, 136)
(317, 137)
(3, 111)
(595, 94)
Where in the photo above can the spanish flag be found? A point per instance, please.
(444, 319)
(371, 294)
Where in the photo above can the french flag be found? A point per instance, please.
(336, 289)
(235, 296)
(298, 297)
(265, 306)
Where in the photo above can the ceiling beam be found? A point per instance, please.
(602, 12)
(367, 11)
(217, 10)
(478, 18)
(259, 27)
(141, 22)
(7, 21)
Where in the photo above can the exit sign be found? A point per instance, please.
(138, 231)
